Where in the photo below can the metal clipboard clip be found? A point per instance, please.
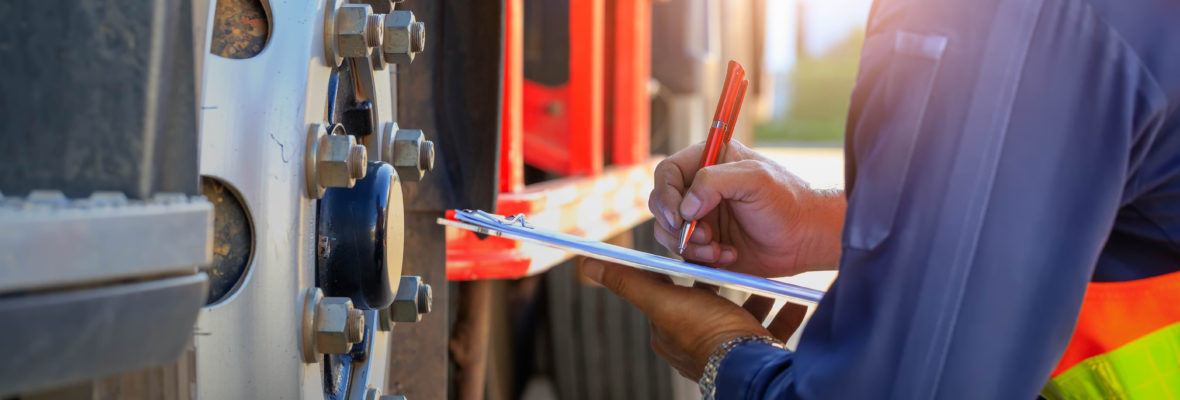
(517, 219)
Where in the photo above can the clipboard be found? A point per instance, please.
(518, 228)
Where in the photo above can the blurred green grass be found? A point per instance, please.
(820, 87)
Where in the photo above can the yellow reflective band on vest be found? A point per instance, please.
(1146, 368)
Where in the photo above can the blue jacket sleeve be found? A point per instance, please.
(989, 147)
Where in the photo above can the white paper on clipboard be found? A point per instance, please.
(517, 228)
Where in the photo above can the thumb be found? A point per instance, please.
(733, 181)
(643, 290)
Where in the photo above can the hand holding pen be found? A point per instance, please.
(721, 129)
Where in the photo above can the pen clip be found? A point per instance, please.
(734, 75)
(731, 118)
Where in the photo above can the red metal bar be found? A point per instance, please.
(630, 71)
(512, 136)
(586, 84)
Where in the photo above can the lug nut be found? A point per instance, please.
(330, 325)
(335, 326)
(413, 299)
(340, 161)
(353, 30)
(403, 37)
(333, 160)
(354, 36)
(407, 150)
(410, 153)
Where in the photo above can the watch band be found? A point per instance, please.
(708, 382)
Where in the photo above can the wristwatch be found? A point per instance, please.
(708, 382)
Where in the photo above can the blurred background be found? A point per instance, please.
(812, 52)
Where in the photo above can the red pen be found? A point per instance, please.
(721, 130)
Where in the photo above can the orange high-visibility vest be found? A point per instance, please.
(1126, 344)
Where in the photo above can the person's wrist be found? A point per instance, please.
(708, 380)
(824, 216)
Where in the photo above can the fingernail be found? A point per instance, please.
(669, 219)
(593, 270)
(727, 256)
(690, 206)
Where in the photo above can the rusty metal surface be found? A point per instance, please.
(233, 239)
(240, 28)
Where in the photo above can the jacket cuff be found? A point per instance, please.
(749, 369)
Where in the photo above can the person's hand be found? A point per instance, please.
(690, 323)
(753, 215)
